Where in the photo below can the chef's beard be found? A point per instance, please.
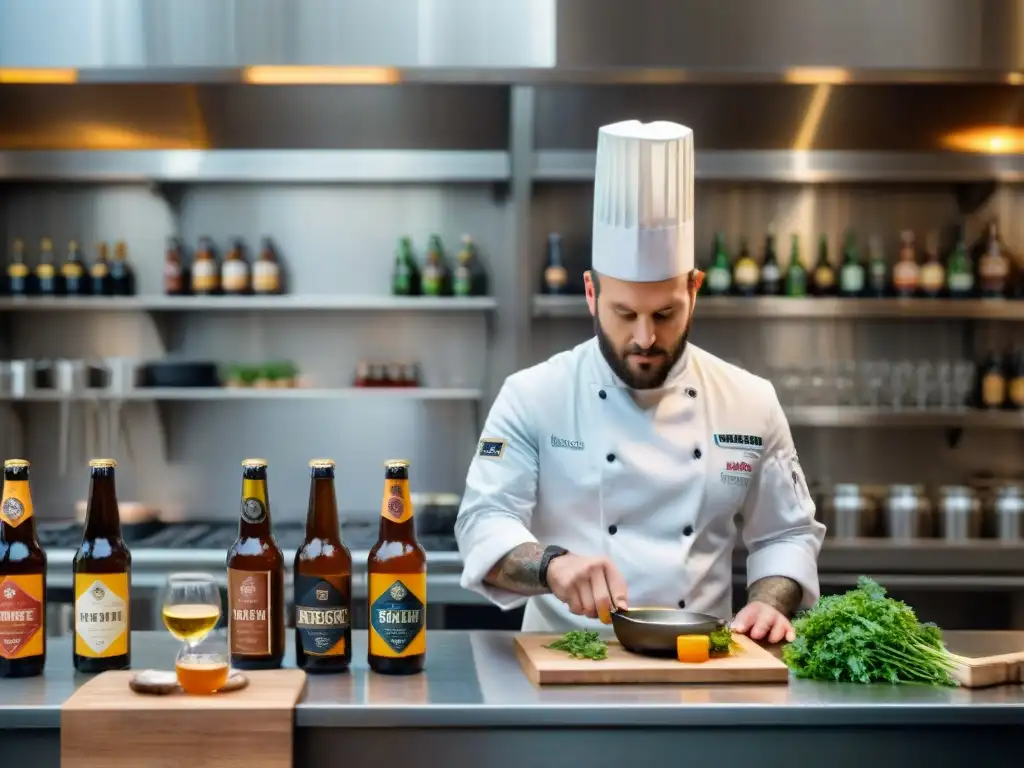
(651, 375)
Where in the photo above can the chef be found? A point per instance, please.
(621, 472)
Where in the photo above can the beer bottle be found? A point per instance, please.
(102, 569)
(205, 277)
(771, 273)
(852, 273)
(17, 270)
(555, 275)
(73, 272)
(323, 581)
(47, 283)
(405, 279)
(823, 278)
(719, 279)
(959, 270)
(435, 277)
(234, 270)
(397, 573)
(255, 579)
(746, 274)
(99, 272)
(266, 272)
(22, 579)
(176, 279)
(796, 274)
(122, 276)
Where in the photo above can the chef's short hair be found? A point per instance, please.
(595, 278)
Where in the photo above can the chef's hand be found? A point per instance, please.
(760, 621)
(590, 586)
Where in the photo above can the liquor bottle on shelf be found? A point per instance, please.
(266, 272)
(878, 270)
(555, 278)
(932, 278)
(397, 582)
(234, 270)
(746, 274)
(959, 272)
(992, 383)
(993, 267)
(718, 281)
(99, 272)
(122, 276)
(470, 278)
(906, 272)
(796, 274)
(255, 579)
(102, 580)
(323, 581)
(436, 278)
(22, 578)
(823, 278)
(1015, 380)
(771, 273)
(851, 274)
(176, 280)
(17, 270)
(48, 282)
(405, 278)
(205, 276)
(73, 272)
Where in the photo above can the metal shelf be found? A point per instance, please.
(781, 308)
(247, 303)
(809, 166)
(195, 394)
(284, 165)
(854, 416)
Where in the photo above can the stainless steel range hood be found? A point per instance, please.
(652, 41)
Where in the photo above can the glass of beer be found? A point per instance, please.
(191, 606)
(203, 667)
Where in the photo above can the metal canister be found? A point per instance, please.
(960, 516)
(1008, 512)
(907, 513)
(849, 513)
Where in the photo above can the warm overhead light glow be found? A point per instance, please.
(321, 75)
(986, 139)
(1015, 78)
(38, 76)
(811, 121)
(816, 76)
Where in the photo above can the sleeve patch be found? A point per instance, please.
(492, 448)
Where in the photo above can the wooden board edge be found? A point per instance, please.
(526, 663)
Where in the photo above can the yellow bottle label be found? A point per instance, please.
(71, 269)
(396, 506)
(993, 390)
(17, 270)
(204, 275)
(1017, 391)
(99, 270)
(22, 616)
(16, 506)
(265, 277)
(44, 271)
(102, 607)
(398, 614)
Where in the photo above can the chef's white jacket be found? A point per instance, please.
(656, 480)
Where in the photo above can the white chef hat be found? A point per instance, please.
(643, 201)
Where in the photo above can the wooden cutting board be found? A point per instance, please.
(986, 658)
(750, 663)
(107, 725)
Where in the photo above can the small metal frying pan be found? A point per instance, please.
(653, 631)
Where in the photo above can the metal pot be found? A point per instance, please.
(850, 513)
(1008, 512)
(653, 631)
(960, 516)
(908, 513)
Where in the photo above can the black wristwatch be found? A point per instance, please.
(550, 553)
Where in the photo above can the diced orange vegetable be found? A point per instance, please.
(604, 614)
(693, 648)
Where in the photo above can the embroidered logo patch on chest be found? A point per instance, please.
(561, 442)
(491, 448)
(739, 442)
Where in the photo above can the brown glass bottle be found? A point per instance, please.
(255, 579)
(22, 578)
(102, 569)
(323, 581)
(397, 575)
(176, 279)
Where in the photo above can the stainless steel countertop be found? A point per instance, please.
(474, 680)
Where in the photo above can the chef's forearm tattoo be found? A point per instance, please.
(519, 570)
(781, 593)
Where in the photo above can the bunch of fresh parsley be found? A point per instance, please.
(582, 644)
(864, 636)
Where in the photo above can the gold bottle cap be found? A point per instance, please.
(254, 463)
(102, 463)
(11, 463)
(396, 463)
(314, 463)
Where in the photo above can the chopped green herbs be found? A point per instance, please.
(721, 640)
(582, 644)
(864, 636)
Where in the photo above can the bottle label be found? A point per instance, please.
(1017, 391)
(234, 275)
(556, 277)
(16, 506)
(17, 270)
(852, 278)
(398, 614)
(463, 282)
(102, 603)
(719, 280)
(746, 273)
(402, 282)
(905, 275)
(993, 390)
(253, 510)
(432, 283)
(99, 270)
(796, 282)
(397, 506)
(877, 272)
(249, 621)
(824, 277)
(265, 277)
(770, 273)
(993, 267)
(932, 276)
(322, 613)
(961, 282)
(203, 275)
(45, 271)
(71, 269)
(22, 616)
